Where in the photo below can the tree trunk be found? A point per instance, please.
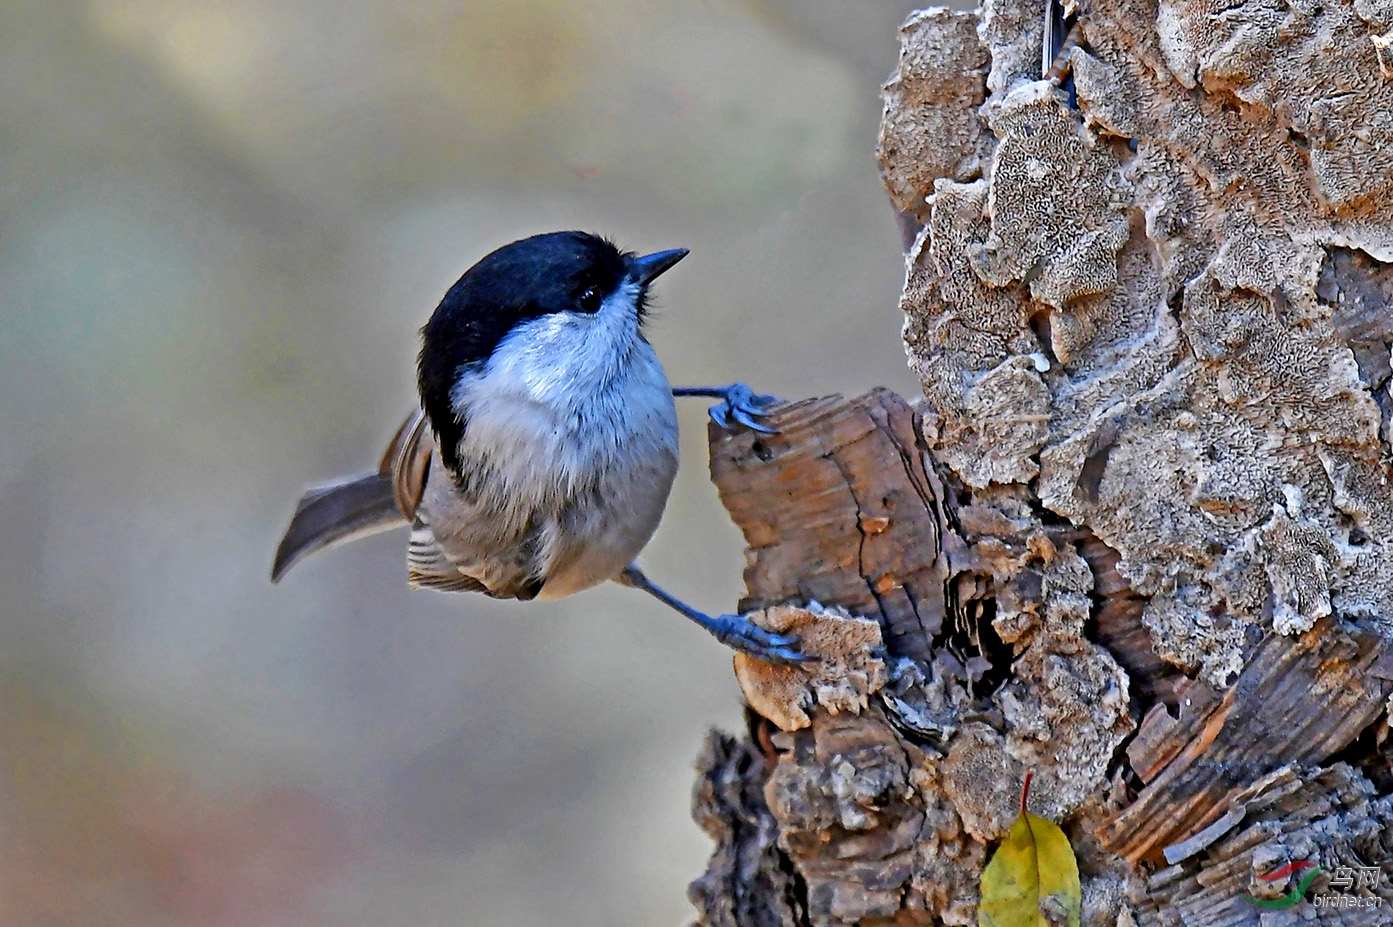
(1138, 537)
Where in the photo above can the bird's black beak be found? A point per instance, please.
(647, 268)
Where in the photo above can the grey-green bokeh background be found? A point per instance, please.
(221, 224)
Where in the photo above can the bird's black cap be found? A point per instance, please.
(555, 272)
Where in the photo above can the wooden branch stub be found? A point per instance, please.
(1299, 700)
(839, 508)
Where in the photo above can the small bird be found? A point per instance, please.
(541, 456)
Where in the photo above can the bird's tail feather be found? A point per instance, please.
(336, 513)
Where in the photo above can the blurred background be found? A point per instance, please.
(221, 224)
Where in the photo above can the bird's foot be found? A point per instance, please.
(735, 631)
(739, 404)
(742, 634)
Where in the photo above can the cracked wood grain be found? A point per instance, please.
(1299, 700)
(839, 507)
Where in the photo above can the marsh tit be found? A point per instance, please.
(541, 456)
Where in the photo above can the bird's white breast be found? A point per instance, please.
(573, 413)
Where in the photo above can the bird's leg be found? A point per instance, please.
(735, 631)
(739, 403)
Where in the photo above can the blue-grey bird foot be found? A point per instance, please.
(734, 631)
(739, 404)
(742, 634)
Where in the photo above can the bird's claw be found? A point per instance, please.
(742, 634)
(743, 405)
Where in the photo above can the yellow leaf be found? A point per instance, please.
(1033, 878)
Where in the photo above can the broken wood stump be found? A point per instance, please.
(870, 787)
(1138, 534)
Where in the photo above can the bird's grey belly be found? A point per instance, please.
(549, 515)
(597, 537)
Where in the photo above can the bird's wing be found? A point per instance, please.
(500, 566)
(479, 543)
(429, 567)
(407, 461)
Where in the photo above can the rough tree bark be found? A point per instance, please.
(1138, 536)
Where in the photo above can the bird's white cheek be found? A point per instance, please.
(556, 359)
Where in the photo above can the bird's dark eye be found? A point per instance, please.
(590, 299)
